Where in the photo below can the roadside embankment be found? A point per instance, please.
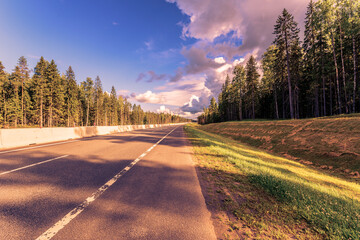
(254, 194)
(18, 137)
(331, 143)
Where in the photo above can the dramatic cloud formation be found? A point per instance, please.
(227, 33)
(250, 20)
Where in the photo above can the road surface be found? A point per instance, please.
(134, 185)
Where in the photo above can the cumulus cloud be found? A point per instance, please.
(250, 20)
(164, 109)
(149, 97)
(227, 33)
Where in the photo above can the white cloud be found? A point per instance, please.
(163, 109)
(218, 27)
(251, 20)
(150, 97)
(219, 60)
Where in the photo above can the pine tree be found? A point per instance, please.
(88, 87)
(113, 106)
(3, 80)
(271, 77)
(98, 99)
(14, 106)
(71, 98)
(39, 86)
(24, 75)
(122, 110)
(309, 47)
(328, 12)
(252, 79)
(54, 95)
(287, 33)
(239, 83)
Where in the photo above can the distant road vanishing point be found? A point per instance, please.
(134, 185)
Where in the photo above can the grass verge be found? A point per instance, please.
(330, 143)
(266, 196)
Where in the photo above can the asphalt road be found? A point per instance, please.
(93, 189)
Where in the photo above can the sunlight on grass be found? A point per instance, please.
(330, 204)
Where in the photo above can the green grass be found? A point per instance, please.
(332, 143)
(329, 205)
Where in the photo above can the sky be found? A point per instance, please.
(166, 55)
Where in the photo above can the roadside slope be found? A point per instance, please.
(331, 143)
(260, 195)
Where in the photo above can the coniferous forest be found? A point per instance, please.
(316, 77)
(49, 99)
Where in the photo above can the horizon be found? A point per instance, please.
(167, 56)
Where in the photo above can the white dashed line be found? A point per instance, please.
(32, 165)
(51, 232)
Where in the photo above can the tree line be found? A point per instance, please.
(50, 99)
(313, 78)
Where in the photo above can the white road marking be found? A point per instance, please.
(51, 232)
(32, 165)
(51, 144)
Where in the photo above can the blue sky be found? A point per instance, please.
(173, 53)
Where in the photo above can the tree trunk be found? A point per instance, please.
(253, 105)
(289, 77)
(87, 113)
(5, 112)
(323, 77)
(50, 116)
(343, 70)
(22, 102)
(324, 96)
(276, 104)
(240, 107)
(337, 74)
(41, 109)
(317, 102)
(283, 103)
(354, 89)
(68, 113)
(331, 98)
(97, 112)
(296, 98)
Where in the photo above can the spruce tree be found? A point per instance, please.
(239, 84)
(113, 106)
(287, 33)
(98, 99)
(88, 87)
(14, 106)
(55, 90)
(39, 86)
(252, 79)
(24, 75)
(71, 98)
(271, 79)
(3, 80)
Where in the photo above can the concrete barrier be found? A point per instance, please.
(18, 137)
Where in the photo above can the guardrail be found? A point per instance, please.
(18, 137)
